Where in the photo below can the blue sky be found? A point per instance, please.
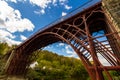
(19, 19)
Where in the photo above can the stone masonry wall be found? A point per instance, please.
(112, 8)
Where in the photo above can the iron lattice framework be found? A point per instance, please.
(78, 31)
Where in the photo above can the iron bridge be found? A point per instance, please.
(82, 32)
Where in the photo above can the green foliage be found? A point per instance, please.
(4, 48)
(115, 75)
(53, 67)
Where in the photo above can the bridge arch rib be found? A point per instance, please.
(76, 32)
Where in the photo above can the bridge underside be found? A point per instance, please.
(90, 33)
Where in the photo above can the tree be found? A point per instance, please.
(54, 67)
(4, 48)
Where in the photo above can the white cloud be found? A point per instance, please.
(62, 2)
(47, 47)
(41, 3)
(19, 25)
(61, 44)
(42, 11)
(4, 33)
(15, 1)
(7, 37)
(23, 37)
(103, 60)
(54, 2)
(12, 42)
(67, 7)
(11, 22)
(64, 13)
(37, 12)
(12, 19)
(44, 4)
(70, 51)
